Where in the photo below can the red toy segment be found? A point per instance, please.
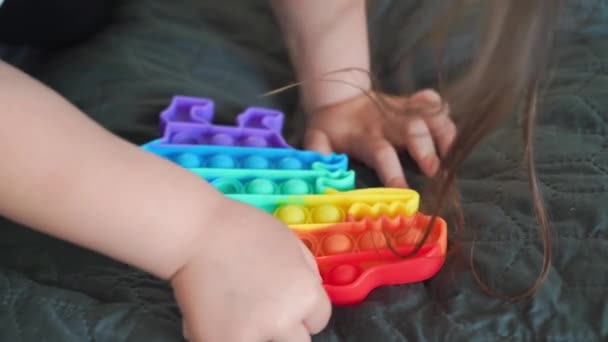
(343, 274)
(354, 257)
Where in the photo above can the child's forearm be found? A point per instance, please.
(324, 36)
(64, 175)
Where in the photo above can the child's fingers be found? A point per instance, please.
(442, 127)
(428, 96)
(420, 145)
(317, 140)
(437, 118)
(380, 155)
(443, 131)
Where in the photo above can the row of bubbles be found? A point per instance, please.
(222, 139)
(261, 186)
(342, 242)
(293, 214)
(223, 161)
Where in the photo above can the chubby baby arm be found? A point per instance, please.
(66, 176)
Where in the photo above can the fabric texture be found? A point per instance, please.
(231, 51)
(51, 24)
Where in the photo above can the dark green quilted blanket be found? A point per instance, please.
(231, 51)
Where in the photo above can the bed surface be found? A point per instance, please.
(154, 49)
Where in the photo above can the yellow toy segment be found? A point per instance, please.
(336, 207)
(356, 205)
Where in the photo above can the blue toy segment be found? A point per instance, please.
(223, 157)
(188, 121)
(277, 182)
(256, 162)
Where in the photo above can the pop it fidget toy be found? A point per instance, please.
(358, 237)
(260, 158)
(354, 257)
(334, 206)
(188, 121)
(277, 182)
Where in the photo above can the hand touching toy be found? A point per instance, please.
(373, 129)
(341, 117)
(251, 279)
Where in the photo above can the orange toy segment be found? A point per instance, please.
(337, 243)
(310, 242)
(372, 240)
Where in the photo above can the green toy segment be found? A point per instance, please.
(277, 182)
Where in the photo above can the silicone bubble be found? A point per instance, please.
(261, 187)
(372, 240)
(222, 139)
(290, 163)
(221, 161)
(295, 187)
(254, 141)
(292, 214)
(343, 275)
(327, 213)
(188, 160)
(255, 162)
(184, 138)
(337, 243)
(228, 185)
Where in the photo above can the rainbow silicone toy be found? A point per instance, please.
(361, 238)
(187, 120)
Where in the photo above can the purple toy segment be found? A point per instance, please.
(188, 121)
(261, 118)
(197, 134)
(188, 109)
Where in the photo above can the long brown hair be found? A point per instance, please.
(504, 77)
(507, 68)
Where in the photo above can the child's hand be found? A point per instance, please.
(250, 280)
(360, 129)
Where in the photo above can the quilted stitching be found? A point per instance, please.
(152, 50)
